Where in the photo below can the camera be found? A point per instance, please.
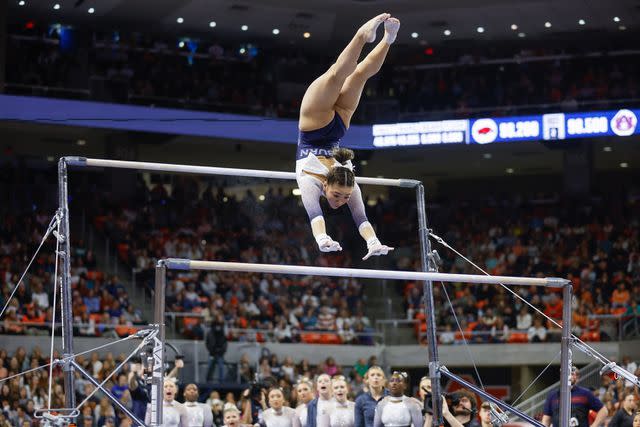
(257, 385)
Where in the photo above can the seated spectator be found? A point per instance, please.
(537, 332)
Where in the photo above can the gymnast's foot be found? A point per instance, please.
(368, 30)
(391, 27)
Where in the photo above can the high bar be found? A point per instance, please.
(186, 264)
(210, 170)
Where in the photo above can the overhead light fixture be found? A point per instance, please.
(21, 3)
(514, 27)
(275, 31)
(81, 142)
(91, 10)
(509, 170)
(244, 28)
(581, 22)
(480, 29)
(242, 51)
(607, 149)
(364, 162)
(522, 35)
(414, 35)
(212, 24)
(616, 19)
(56, 6)
(180, 20)
(261, 197)
(622, 28)
(49, 158)
(181, 44)
(447, 32)
(624, 165)
(306, 35)
(547, 24)
(296, 192)
(487, 155)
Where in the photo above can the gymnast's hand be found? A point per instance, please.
(376, 248)
(327, 244)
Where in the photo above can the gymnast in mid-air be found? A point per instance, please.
(322, 167)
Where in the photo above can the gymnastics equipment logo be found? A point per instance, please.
(624, 123)
(484, 131)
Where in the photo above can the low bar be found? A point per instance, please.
(186, 264)
(210, 170)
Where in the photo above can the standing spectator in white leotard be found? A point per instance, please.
(279, 415)
(341, 413)
(398, 410)
(173, 412)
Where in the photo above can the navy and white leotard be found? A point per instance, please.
(322, 142)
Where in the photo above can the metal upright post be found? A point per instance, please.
(67, 310)
(158, 348)
(432, 343)
(565, 357)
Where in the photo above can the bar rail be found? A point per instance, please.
(211, 170)
(187, 264)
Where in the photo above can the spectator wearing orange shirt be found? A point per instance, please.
(620, 297)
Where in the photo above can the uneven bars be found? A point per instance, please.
(186, 264)
(210, 170)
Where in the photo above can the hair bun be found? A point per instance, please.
(342, 155)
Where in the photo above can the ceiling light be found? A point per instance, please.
(180, 20)
(487, 155)
(244, 28)
(243, 51)
(212, 24)
(364, 162)
(622, 28)
(607, 149)
(447, 32)
(296, 192)
(509, 170)
(261, 197)
(480, 29)
(91, 10)
(56, 6)
(414, 35)
(522, 35)
(275, 31)
(306, 35)
(181, 44)
(624, 165)
(514, 27)
(615, 18)
(581, 22)
(547, 24)
(81, 142)
(49, 158)
(21, 3)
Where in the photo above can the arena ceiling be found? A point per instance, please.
(335, 20)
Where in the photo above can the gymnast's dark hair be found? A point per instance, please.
(341, 175)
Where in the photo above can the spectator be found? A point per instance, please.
(625, 414)
(537, 332)
(216, 342)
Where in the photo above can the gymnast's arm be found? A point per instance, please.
(311, 191)
(356, 204)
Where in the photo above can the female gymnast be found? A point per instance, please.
(322, 168)
(304, 395)
(340, 414)
(279, 415)
(398, 410)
